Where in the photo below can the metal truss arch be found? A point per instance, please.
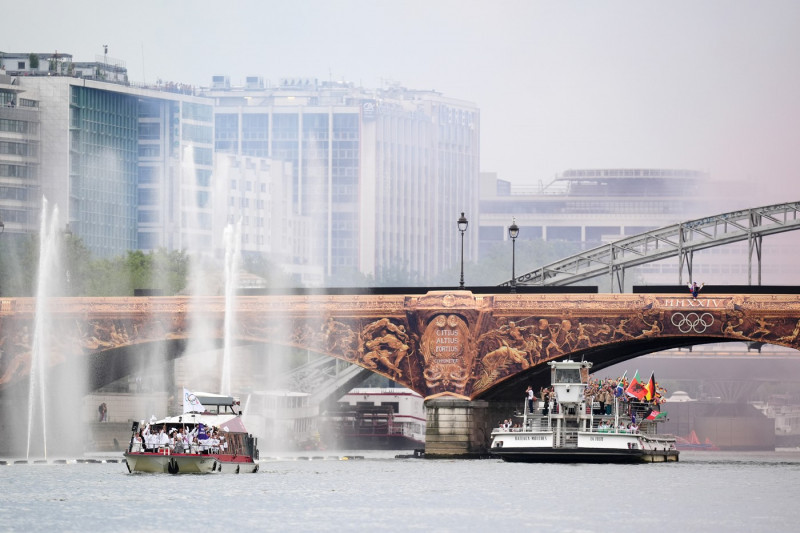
(678, 240)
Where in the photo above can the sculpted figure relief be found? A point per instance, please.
(384, 342)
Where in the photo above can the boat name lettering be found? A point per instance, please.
(531, 437)
(597, 439)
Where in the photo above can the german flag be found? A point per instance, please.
(650, 388)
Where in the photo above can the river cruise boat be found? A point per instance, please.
(373, 418)
(208, 437)
(568, 429)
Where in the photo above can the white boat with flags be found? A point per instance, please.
(208, 437)
(569, 428)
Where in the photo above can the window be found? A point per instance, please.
(147, 216)
(203, 177)
(148, 241)
(149, 150)
(149, 175)
(148, 197)
(149, 131)
(196, 112)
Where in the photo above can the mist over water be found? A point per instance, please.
(42, 329)
(56, 385)
(233, 236)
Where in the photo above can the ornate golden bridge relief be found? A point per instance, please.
(446, 343)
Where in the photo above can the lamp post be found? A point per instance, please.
(513, 232)
(462, 227)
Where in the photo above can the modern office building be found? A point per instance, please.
(129, 168)
(255, 192)
(19, 156)
(366, 181)
(379, 176)
(591, 207)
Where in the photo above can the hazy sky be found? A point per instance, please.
(706, 85)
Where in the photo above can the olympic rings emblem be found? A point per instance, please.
(692, 322)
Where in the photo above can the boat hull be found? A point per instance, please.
(585, 455)
(156, 463)
(591, 447)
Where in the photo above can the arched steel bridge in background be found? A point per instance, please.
(680, 240)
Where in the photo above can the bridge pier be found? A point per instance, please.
(457, 429)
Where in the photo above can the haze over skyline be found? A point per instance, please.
(709, 85)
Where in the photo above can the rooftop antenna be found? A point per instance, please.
(105, 60)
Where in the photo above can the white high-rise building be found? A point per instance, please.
(381, 176)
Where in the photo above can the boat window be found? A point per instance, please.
(568, 375)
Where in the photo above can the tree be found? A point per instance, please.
(349, 277)
(77, 265)
(19, 256)
(262, 266)
(33, 60)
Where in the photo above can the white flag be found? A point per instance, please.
(191, 404)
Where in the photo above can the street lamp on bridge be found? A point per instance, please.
(513, 232)
(462, 227)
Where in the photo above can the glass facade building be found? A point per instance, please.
(378, 177)
(103, 154)
(20, 146)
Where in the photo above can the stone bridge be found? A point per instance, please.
(443, 344)
(469, 354)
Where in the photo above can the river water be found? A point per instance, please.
(705, 491)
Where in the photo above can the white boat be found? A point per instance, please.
(235, 452)
(372, 418)
(568, 430)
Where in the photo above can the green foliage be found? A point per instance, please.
(398, 274)
(349, 277)
(18, 259)
(85, 276)
(260, 265)
(33, 60)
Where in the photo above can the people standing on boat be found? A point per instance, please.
(151, 439)
(163, 437)
(529, 394)
(543, 394)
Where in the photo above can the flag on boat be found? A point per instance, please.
(191, 404)
(636, 389)
(650, 388)
(652, 414)
(620, 388)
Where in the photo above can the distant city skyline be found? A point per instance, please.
(706, 85)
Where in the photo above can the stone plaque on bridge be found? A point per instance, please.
(448, 361)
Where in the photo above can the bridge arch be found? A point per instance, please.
(455, 343)
(510, 389)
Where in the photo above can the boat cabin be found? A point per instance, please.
(569, 380)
